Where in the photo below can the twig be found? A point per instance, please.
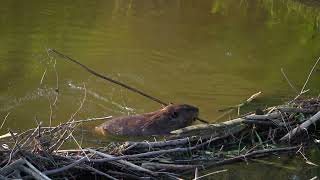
(238, 106)
(209, 174)
(62, 139)
(81, 103)
(289, 82)
(158, 144)
(4, 120)
(253, 97)
(196, 173)
(70, 121)
(79, 145)
(87, 120)
(314, 178)
(310, 73)
(14, 152)
(57, 77)
(33, 134)
(306, 82)
(42, 77)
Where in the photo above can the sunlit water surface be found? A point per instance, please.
(212, 54)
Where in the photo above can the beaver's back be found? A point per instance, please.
(128, 125)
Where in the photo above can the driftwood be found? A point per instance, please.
(211, 130)
(302, 127)
(168, 167)
(37, 153)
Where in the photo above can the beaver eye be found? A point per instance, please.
(174, 115)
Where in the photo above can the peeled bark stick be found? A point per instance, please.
(210, 130)
(303, 126)
(264, 117)
(158, 144)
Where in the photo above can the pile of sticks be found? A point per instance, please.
(37, 153)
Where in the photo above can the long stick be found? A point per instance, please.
(114, 81)
(108, 78)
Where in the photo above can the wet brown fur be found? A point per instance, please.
(159, 122)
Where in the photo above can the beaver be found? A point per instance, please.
(159, 122)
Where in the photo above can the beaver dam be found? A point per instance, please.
(284, 129)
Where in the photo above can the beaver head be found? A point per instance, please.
(182, 114)
(170, 118)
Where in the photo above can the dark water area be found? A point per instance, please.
(211, 54)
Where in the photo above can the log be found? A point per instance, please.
(8, 169)
(211, 130)
(273, 115)
(34, 174)
(168, 167)
(304, 126)
(159, 144)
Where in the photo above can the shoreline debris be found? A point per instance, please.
(37, 153)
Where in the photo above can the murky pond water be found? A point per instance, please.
(210, 53)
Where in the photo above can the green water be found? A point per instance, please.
(212, 54)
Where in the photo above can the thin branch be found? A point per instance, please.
(4, 120)
(79, 146)
(310, 73)
(81, 104)
(43, 75)
(289, 82)
(212, 173)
